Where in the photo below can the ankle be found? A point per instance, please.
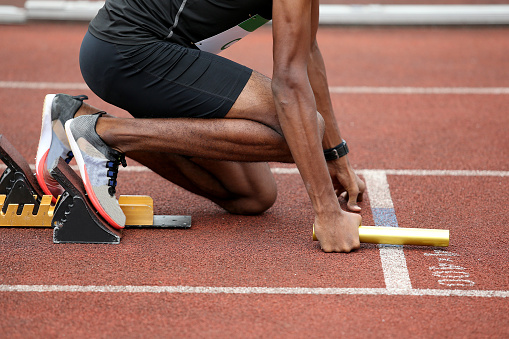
(105, 128)
(86, 109)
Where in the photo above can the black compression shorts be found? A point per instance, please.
(161, 79)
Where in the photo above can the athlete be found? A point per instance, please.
(201, 121)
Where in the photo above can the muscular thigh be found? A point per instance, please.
(256, 102)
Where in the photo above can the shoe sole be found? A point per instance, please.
(44, 144)
(84, 177)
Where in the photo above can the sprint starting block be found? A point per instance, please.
(73, 218)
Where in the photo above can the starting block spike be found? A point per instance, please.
(17, 182)
(21, 195)
(17, 169)
(6, 180)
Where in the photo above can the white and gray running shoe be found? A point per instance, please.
(57, 109)
(98, 165)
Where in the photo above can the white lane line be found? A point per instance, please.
(454, 173)
(332, 89)
(378, 189)
(252, 290)
(42, 85)
(393, 260)
(284, 170)
(293, 170)
(418, 90)
(415, 172)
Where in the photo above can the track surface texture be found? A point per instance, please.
(424, 111)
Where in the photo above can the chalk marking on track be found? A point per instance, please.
(332, 89)
(252, 290)
(293, 170)
(394, 265)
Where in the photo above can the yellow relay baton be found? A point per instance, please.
(401, 236)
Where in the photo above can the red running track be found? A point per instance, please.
(262, 276)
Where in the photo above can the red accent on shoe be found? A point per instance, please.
(40, 171)
(96, 203)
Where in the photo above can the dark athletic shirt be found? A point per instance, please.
(185, 22)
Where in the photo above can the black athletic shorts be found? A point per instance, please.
(161, 79)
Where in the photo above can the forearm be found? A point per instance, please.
(319, 84)
(295, 101)
(294, 27)
(344, 178)
(297, 115)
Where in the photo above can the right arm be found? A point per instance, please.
(295, 103)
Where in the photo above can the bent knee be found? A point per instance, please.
(252, 205)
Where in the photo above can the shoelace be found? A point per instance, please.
(69, 157)
(113, 172)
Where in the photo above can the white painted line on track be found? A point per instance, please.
(294, 170)
(393, 260)
(394, 266)
(252, 290)
(332, 89)
(42, 85)
(336, 14)
(453, 173)
(284, 170)
(418, 90)
(378, 189)
(413, 14)
(414, 172)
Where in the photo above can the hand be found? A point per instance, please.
(339, 232)
(346, 183)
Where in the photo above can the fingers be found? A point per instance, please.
(343, 237)
(345, 249)
(352, 200)
(354, 194)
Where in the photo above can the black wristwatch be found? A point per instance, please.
(336, 152)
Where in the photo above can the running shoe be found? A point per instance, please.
(98, 165)
(57, 109)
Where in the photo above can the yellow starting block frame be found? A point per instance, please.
(138, 209)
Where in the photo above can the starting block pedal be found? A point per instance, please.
(73, 218)
(17, 182)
